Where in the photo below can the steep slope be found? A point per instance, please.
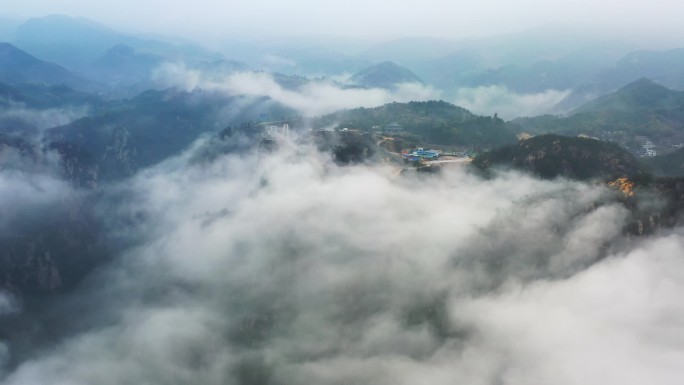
(383, 75)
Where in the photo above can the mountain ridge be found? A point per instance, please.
(18, 66)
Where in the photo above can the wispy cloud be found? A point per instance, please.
(312, 98)
(41, 118)
(506, 103)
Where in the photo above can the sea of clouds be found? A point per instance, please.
(285, 268)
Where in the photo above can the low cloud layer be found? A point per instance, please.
(29, 183)
(40, 118)
(311, 99)
(19, 191)
(285, 268)
(506, 103)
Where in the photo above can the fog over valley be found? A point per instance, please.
(230, 276)
(335, 193)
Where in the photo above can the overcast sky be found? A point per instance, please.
(379, 19)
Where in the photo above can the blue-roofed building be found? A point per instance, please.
(426, 154)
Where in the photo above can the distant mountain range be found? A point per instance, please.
(18, 67)
(122, 65)
(664, 67)
(533, 62)
(528, 62)
(642, 108)
(76, 43)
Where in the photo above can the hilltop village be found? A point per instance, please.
(395, 146)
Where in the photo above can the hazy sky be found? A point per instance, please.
(361, 18)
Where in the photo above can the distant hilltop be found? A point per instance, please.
(384, 75)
